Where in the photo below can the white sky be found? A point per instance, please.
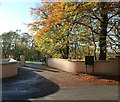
(13, 15)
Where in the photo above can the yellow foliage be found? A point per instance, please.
(56, 21)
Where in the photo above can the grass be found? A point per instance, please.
(27, 61)
(31, 62)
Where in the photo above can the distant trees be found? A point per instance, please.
(76, 29)
(14, 43)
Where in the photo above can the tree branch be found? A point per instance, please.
(111, 27)
(87, 26)
(111, 39)
(113, 15)
(96, 17)
(89, 16)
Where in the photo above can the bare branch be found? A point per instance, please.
(90, 17)
(111, 27)
(113, 15)
(87, 26)
(96, 17)
(111, 39)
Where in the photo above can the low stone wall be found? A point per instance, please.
(9, 69)
(109, 68)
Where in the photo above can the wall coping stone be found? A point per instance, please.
(7, 62)
(73, 60)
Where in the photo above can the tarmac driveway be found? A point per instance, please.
(38, 82)
(27, 84)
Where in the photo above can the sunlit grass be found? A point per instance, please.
(28, 61)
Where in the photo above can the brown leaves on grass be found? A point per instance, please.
(97, 79)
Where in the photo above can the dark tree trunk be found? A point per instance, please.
(95, 51)
(66, 51)
(103, 34)
(88, 50)
(75, 50)
(4, 53)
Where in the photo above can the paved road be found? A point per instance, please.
(84, 93)
(43, 83)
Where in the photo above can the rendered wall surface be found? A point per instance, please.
(109, 68)
(9, 69)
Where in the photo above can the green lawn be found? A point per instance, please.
(27, 61)
(31, 62)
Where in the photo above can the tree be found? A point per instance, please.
(16, 44)
(94, 19)
(7, 43)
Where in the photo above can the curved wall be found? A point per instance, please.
(9, 69)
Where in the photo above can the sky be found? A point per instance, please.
(14, 14)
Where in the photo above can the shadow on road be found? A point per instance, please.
(27, 85)
(38, 68)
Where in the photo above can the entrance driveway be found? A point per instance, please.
(39, 82)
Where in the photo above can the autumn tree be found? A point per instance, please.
(90, 22)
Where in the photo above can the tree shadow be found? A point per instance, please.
(43, 68)
(103, 76)
(116, 78)
(27, 85)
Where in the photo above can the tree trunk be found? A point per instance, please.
(104, 23)
(66, 51)
(75, 50)
(4, 53)
(95, 51)
(95, 46)
(88, 50)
